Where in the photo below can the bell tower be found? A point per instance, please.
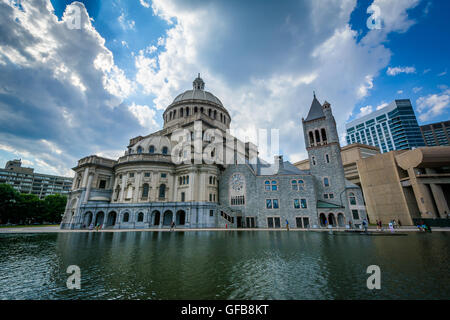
(324, 151)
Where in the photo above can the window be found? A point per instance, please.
(165, 150)
(325, 196)
(102, 184)
(274, 186)
(296, 204)
(126, 217)
(139, 149)
(183, 197)
(269, 203)
(140, 217)
(267, 185)
(211, 213)
(151, 149)
(294, 185)
(303, 204)
(273, 222)
(275, 203)
(162, 191)
(236, 201)
(352, 199)
(327, 158)
(326, 182)
(147, 174)
(145, 189)
(272, 204)
(163, 175)
(331, 196)
(355, 214)
(131, 175)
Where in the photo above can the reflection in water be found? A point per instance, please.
(223, 265)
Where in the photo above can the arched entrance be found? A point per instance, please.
(323, 220)
(341, 220)
(168, 217)
(156, 217)
(331, 220)
(112, 216)
(140, 217)
(181, 218)
(99, 218)
(87, 219)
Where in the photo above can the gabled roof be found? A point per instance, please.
(316, 110)
(263, 168)
(327, 205)
(350, 185)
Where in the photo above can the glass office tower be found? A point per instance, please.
(393, 127)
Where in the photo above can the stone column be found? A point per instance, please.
(423, 196)
(111, 182)
(85, 177)
(174, 191)
(124, 187)
(137, 185)
(88, 190)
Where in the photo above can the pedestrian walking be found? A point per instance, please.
(287, 225)
(172, 226)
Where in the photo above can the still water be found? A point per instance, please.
(224, 265)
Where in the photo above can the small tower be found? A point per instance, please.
(198, 83)
(324, 150)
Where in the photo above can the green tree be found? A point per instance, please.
(54, 207)
(29, 208)
(8, 199)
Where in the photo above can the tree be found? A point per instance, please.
(8, 199)
(54, 207)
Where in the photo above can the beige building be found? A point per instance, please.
(406, 185)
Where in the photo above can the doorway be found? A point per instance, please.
(250, 222)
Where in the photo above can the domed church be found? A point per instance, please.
(187, 174)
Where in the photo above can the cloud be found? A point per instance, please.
(61, 93)
(442, 74)
(145, 115)
(433, 105)
(400, 92)
(365, 111)
(381, 106)
(397, 70)
(417, 89)
(126, 24)
(144, 3)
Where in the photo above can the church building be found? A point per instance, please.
(149, 188)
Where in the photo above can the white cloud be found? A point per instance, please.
(382, 105)
(145, 115)
(126, 24)
(400, 92)
(144, 3)
(397, 70)
(442, 74)
(433, 105)
(365, 111)
(417, 89)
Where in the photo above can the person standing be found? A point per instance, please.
(287, 225)
(172, 226)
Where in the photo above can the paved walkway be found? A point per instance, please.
(57, 230)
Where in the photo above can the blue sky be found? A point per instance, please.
(66, 93)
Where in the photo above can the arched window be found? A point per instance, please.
(209, 113)
(274, 186)
(165, 150)
(140, 217)
(202, 110)
(317, 136)
(352, 199)
(221, 118)
(181, 112)
(184, 180)
(324, 135)
(187, 112)
(187, 179)
(126, 217)
(174, 113)
(139, 149)
(180, 181)
(151, 149)
(267, 185)
(195, 109)
(215, 114)
(294, 185)
(311, 138)
(162, 191)
(145, 189)
(301, 184)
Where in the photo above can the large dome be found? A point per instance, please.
(197, 93)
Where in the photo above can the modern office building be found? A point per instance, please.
(25, 180)
(393, 127)
(436, 134)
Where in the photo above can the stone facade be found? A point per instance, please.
(148, 188)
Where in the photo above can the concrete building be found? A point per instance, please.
(230, 186)
(393, 127)
(407, 185)
(436, 134)
(25, 180)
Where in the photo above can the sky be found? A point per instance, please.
(82, 78)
